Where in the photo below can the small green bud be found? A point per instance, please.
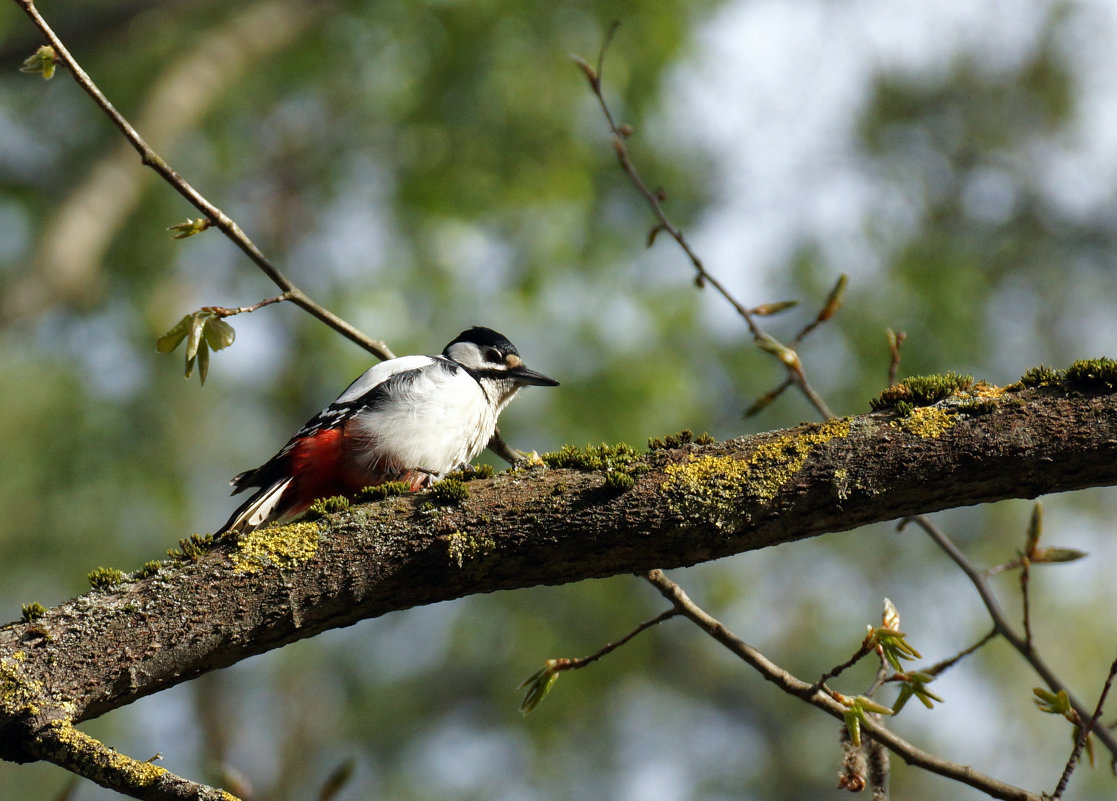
(1051, 703)
(42, 61)
(190, 227)
(538, 685)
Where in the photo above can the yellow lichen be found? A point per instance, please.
(713, 487)
(462, 547)
(282, 547)
(986, 391)
(18, 695)
(927, 422)
(95, 760)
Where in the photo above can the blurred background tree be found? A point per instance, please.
(419, 168)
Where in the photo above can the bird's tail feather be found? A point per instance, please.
(261, 508)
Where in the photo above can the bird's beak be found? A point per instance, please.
(525, 376)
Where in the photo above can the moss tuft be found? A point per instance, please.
(1042, 376)
(1092, 375)
(192, 548)
(449, 492)
(684, 437)
(105, 578)
(326, 506)
(618, 481)
(471, 472)
(378, 492)
(671, 441)
(921, 390)
(32, 612)
(149, 569)
(592, 457)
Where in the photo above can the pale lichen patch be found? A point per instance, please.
(464, 547)
(282, 547)
(927, 422)
(18, 695)
(712, 488)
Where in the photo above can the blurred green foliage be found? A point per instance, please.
(419, 168)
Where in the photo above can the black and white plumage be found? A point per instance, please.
(412, 419)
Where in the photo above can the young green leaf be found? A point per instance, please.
(173, 338)
(538, 685)
(42, 61)
(218, 333)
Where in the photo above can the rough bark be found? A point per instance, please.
(689, 504)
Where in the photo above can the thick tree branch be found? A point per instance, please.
(108, 648)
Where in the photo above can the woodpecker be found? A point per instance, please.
(411, 419)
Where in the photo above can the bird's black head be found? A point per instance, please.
(487, 354)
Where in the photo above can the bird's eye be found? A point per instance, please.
(493, 355)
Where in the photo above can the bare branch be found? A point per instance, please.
(220, 220)
(575, 663)
(786, 355)
(946, 664)
(1001, 625)
(801, 689)
(895, 341)
(1084, 735)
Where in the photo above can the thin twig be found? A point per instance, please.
(882, 675)
(220, 220)
(801, 689)
(787, 356)
(574, 663)
(229, 311)
(1084, 735)
(895, 340)
(1001, 624)
(837, 670)
(764, 400)
(945, 665)
(1025, 575)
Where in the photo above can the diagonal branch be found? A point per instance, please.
(226, 602)
(220, 220)
(787, 356)
(69, 748)
(1021, 643)
(813, 695)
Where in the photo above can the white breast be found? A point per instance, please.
(436, 422)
